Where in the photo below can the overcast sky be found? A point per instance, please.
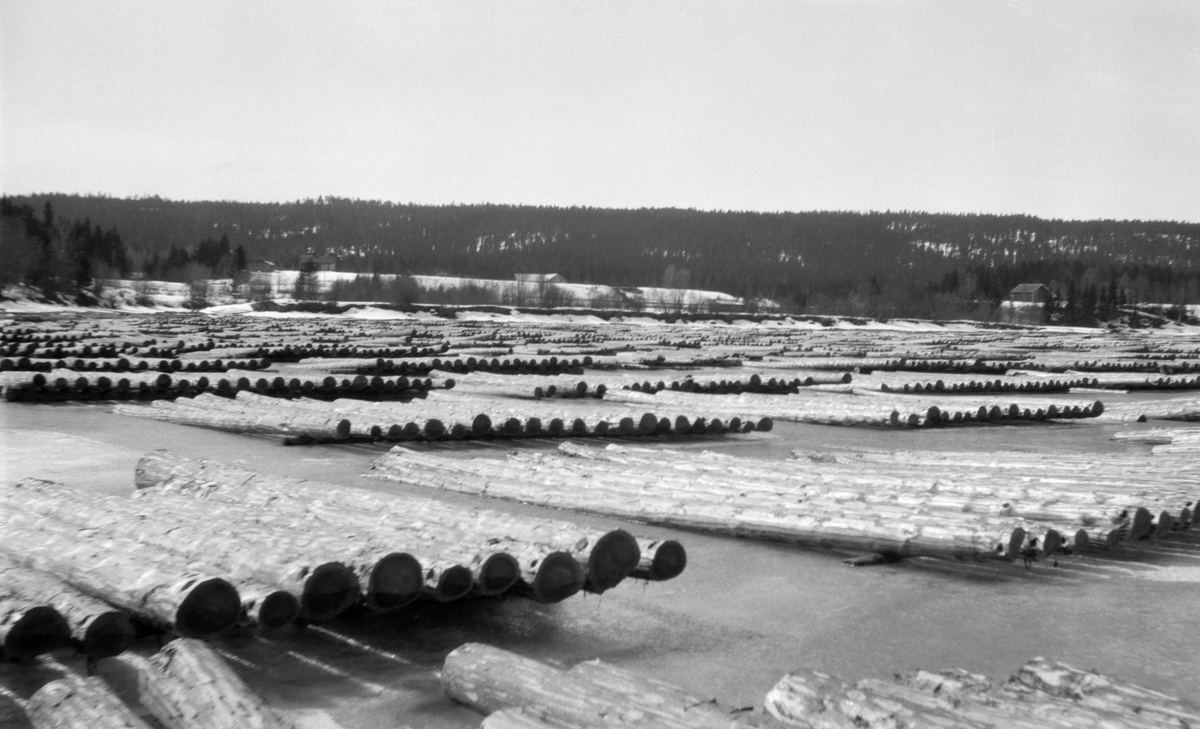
(1060, 109)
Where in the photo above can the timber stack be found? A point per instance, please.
(1041, 694)
(918, 505)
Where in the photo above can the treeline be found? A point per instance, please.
(60, 258)
(869, 264)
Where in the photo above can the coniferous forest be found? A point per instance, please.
(912, 264)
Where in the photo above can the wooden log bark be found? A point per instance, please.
(1098, 691)
(813, 699)
(220, 548)
(80, 703)
(157, 586)
(473, 531)
(841, 525)
(489, 679)
(186, 685)
(252, 423)
(1010, 704)
(516, 719)
(93, 625)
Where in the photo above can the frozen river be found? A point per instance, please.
(741, 615)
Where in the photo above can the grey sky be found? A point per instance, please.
(1063, 109)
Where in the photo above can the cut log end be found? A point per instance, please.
(614, 557)
(330, 589)
(40, 630)
(210, 607)
(395, 581)
(497, 574)
(558, 577)
(454, 582)
(669, 561)
(278, 610)
(108, 635)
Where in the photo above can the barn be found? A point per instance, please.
(1033, 293)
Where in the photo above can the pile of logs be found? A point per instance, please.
(186, 685)
(516, 692)
(753, 384)
(57, 385)
(303, 420)
(203, 547)
(1041, 694)
(989, 386)
(903, 504)
(1176, 442)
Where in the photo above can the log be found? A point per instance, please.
(539, 545)
(489, 679)
(660, 559)
(1096, 690)
(158, 586)
(196, 535)
(810, 698)
(186, 685)
(93, 625)
(515, 719)
(80, 703)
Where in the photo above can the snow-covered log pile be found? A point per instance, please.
(515, 691)
(844, 405)
(1175, 442)
(1041, 694)
(990, 505)
(453, 416)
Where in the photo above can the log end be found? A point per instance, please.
(558, 577)
(210, 607)
(395, 581)
(669, 561)
(455, 582)
(40, 630)
(497, 574)
(614, 557)
(108, 635)
(278, 610)
(330, 589)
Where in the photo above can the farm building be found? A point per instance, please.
(539, 278)
(319, 263)
(1033, 293)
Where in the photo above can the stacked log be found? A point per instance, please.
(268, 562)
(1042, 694)
(591, 695)
(39, 613)
(244, 421)
(649, 495)
(79, 703)
(753, 384)
(974, 386)
(186, 685)
(159, 587)
(554, 559)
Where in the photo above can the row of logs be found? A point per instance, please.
(516, 692)
(301, 422)
(652, 495)
(149, 386)
(991, 386)
(124, 364)
(754, 384)
(203, 547)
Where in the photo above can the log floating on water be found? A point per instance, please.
(490, 680)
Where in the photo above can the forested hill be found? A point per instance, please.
(781, 255)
